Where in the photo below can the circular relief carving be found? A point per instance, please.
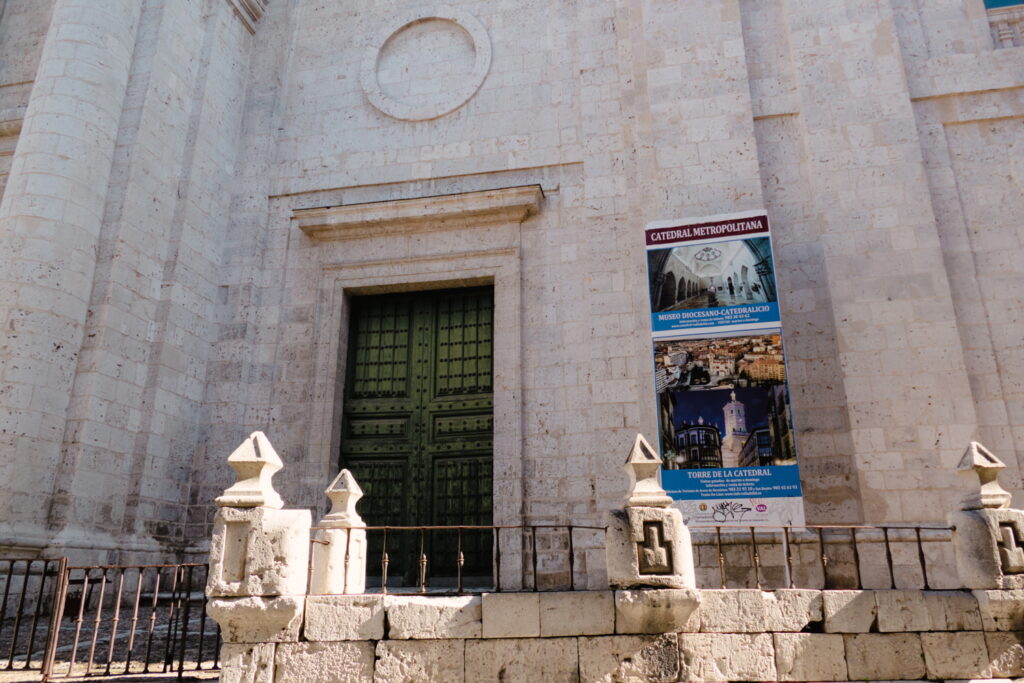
(426, 64)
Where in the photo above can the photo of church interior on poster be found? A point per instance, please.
(725, 421)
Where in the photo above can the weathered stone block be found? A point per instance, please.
(629, 659)
(657, 611)
(339, 559)
(1001, 610)
(848, 611)
(426, 617)
(1006, 653)
(510, 615)
(257, 620)
(579, 613)
(987, 548)
(247, 663)
(553, 660)
(259, 552)
(726, 657)
(900, 611)
(956, 655)
(420, 661)
(810, 657)
(339, 562)
(350, 662)
(754, 611)
(884, 656)
(344, 617)
(648, 547)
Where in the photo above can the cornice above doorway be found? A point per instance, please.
(453, 211)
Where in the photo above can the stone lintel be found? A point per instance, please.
(466, 209)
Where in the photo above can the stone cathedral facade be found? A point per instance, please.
(407, 237)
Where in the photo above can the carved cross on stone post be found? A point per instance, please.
(1011, 555)
(647, 544)
(654, 556)
(987, 532)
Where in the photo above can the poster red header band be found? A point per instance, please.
(700, 231)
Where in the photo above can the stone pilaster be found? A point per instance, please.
(50, 222)
(892, 306)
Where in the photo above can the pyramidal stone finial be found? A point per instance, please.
(344, 493)
(644, 469)
(254, 461)
(979, 462)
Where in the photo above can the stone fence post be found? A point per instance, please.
(339, 551)
(988, 535)
(259, 554)
(647, 544)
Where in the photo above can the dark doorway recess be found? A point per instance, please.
(417, 428)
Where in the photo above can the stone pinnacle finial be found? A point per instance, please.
(979, 461)
(643, 467)
(254, 461)
(344, 493)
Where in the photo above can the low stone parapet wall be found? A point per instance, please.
(639, 635)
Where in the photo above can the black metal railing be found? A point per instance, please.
(478, 558)
(437, 559)
(824, 557)
(30, 586)
(66, 621)
(106, 620)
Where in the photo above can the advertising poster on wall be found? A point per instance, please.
(725, 425)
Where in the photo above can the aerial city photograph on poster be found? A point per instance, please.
(723, 402)
(719, 362)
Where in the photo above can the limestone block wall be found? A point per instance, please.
(653, 635)
(142, 370)
(901, 563)
(120, 185)
(625, 114)
(23, 28)
(160, 301)
(23, 25)
(50, 220)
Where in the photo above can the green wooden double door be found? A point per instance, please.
(417, 429)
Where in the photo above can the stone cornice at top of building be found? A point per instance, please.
(462, 210)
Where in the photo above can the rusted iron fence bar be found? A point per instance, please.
(846, 556)
(476, 554)
(164, 632)
(29, 587)
(108, 620)
(821, 556)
